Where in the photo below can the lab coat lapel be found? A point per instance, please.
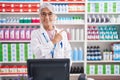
(44, 34)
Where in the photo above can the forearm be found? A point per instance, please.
(41, 51)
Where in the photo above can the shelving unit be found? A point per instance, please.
(97, 73)
(16, 68)
(71, 24)
(104, 75)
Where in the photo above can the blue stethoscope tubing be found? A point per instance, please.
(52, 51)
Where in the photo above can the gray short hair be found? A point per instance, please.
(47, 5)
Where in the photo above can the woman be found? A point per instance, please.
(49, 42)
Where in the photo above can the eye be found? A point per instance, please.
(44, 14)
(50, 13)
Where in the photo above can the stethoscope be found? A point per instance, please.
(52, 51)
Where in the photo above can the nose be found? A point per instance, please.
(47, 16)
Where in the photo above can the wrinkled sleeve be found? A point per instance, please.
(40, 48)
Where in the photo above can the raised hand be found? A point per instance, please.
(57, 37)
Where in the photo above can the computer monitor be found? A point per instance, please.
(48, 69)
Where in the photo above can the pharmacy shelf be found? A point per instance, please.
(74, 74)
(108, 13)
(18, 62)
(77, 62)
(103, 61)
(71, 24)
(103, 1)
(12, 75)
(64, 2)
(103, 41)
(37, 13)
(103, 75)
(27, 41)
(71, 41)
(19, 24)
(103, 24)
(84, 25)
(19, 1)
(70, 13)
(15, 75)
(24, 62)
(14, 41)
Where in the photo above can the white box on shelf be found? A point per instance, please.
(77, 37)
(92, 69)
(5, 52)
(116, 69)
(101, 8)
(13, 52)
(110, 8)
(72, 34)
(30, 55)
(100, 69)
(108, 69)
(22, 54)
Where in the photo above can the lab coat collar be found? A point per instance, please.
(43, 30)
(44, 33)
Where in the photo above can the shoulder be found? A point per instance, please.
(36, 31)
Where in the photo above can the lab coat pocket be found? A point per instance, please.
(58, 46)
(59, 54)
(59, 51)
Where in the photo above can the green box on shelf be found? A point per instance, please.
(1, 54)
(17, 52)
(0, 45)
(119, 68)
(114, 9)
(26, 51)
(104, 69)
(96, 69)
(26, 20)
(88, 8)
(96, 9)
(105, 5)
(105, 9)
(114, 5)
(9, 52)
(96, 5)
(112, 68)
(89, 4)
(88, 69)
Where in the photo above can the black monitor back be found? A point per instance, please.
(48, 69)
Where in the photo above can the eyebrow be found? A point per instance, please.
(46, 12)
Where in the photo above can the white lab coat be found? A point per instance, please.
(42, 45)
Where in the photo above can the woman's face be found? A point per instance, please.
(47, 17)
